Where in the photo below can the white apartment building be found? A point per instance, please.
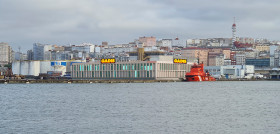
(240, 58)
(165, 43)
(85, 47)
(5, 53)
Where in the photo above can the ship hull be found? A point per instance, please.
(200, 78)
(197, 74)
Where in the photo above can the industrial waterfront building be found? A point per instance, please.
(231, 71)
(133, 70)
(35, 68)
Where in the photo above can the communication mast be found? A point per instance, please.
(233, 32)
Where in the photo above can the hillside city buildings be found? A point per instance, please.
(261, 53)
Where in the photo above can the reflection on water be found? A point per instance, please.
(191, 107)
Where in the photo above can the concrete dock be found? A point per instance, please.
(82, 81)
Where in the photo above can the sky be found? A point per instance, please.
(62, 22)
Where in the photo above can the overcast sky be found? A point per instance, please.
(23, 22)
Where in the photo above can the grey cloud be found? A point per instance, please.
(71, 21)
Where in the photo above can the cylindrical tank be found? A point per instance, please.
(16, 67)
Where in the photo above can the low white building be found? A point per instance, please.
(231, 71)
(36, 67)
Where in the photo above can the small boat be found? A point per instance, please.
(197, 74)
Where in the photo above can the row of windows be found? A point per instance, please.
(139, 70)
(166, 66)
(116, 74)
(98, 67)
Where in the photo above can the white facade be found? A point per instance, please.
(155, 58)
(165, 43)
(193, 41)
(5, 53)
(36, 67)
(272, 49)
(240, 58)
(276, 58)
(251, 54)
(232, 71)
(272, 62)
(118, 50)
(162, 58)
(219, 60)
(85, 47)
(97, 49)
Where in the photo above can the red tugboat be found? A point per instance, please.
(197, 74)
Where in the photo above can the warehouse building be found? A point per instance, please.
(136, 70)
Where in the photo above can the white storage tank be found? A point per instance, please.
(34, 68)
(24, 65)
(16, 67)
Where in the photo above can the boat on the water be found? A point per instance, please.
(197, 74)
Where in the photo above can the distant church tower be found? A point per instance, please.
(233, 31)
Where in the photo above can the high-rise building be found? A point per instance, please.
(39, 51)
(5, 53)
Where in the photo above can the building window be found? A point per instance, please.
(145, 67)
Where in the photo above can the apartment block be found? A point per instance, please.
(5, 53)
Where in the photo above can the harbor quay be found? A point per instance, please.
(79, 81)
(33, 81)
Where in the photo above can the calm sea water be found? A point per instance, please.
(182, 107)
